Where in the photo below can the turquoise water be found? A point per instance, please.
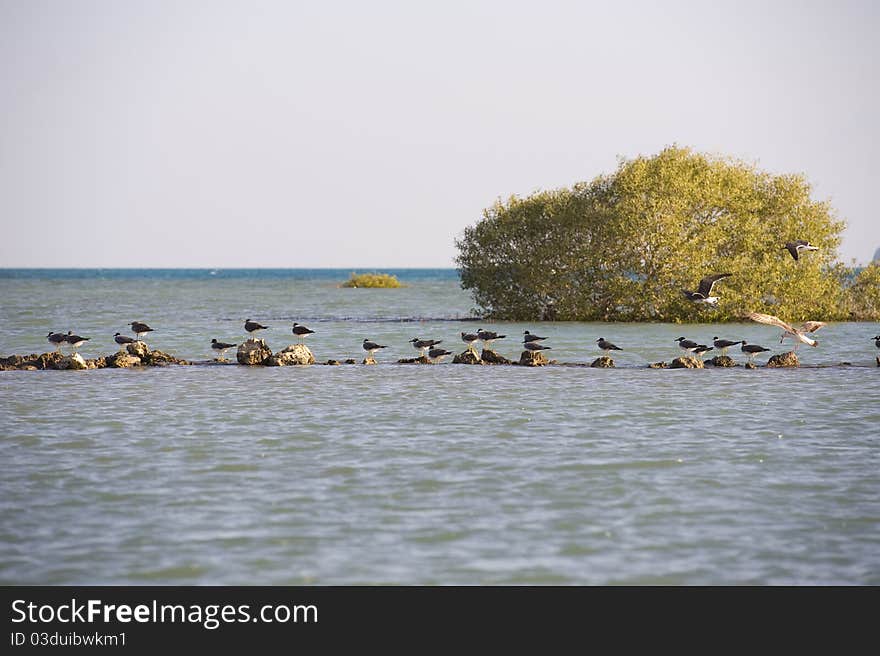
(398, 474)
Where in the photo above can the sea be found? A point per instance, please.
(437, 475)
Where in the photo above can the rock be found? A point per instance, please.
(603, 362)
(29, 367)
(491, 357)
(658, 365)
(750, 365)
(74, 361)
(878, 361)
(351, 361)
(422, 359)
(123, 360)
(469, 356)
(369, 360)
(253, 351)
(332, 362)
(38, 361)
(533, 359)
(295, 354)
(789, 359)
(139, 349)
(722, 361)
(96, 363)
(687, 362)
(160, 358)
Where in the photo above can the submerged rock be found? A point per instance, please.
(533, 359)
(469, 356)
(491, 357)
(722, 361)
(369, 360)
(253, 351)
(687, 362)
(603, 362)
(658, 365)
(332, 362)
(750, 365)
(295, 354)
(422, 359)
(160, 358)
(351, 361)
(789, 359)
(74, 362)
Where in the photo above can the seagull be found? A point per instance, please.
(876, 341)
(253, 326)
(487, 337)
(75, 340)
(704, 291)
(221, 347)
(797, 334)
(795, 247)
(606, 345)
(421, 344)
(121, 339)
(752, 349)
(139, 328)
(372, 347)
(724, 344)
(469, 339)
(535, 346)
(702, 349)
(57, 339)
(301, 331)
(437, 354)
(687, 345)
(529, 337)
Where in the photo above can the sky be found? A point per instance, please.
(255, 133)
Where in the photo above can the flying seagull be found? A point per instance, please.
(437, 354)
(75, 340)
(121, 339)
(529, 337)
(752, 349)
(487, 337)
(372, 347)
(421, 344)
(795, 247)
(57, 339)
(301, 331)
(687, 345)
(605, 345)
(253, 326)
(469, 339)
(221, 347)
(704, 291)
(724, 344)
(797, 334)
(139, 328)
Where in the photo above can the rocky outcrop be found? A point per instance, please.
(34, 360)
(351, 361)
(687, 362)
(469, 356)
(332, 362)
(603, 362)
(789, 359)
(369, 360)
(422, 359)
(123, 360)
(658, 365)
(74, 362)
(138, 349)
(491, 357)
(160, 359)
(722, 361)
(295, 354)
(750, 365)
(253, 351)
(533, 359)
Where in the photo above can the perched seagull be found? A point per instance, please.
(421, 344)
(724, 344)
(121, 339)
(606, 346)
(876, 341)
(139, 328)
(487, 337)
(301, 331)
(752, 349)
(704, 291)
(253, 326)
(372, 347)
(57, 339)
(469, 339)
(221, 347)
(529, 337)
(797, 334)
(687, 345)
(535, 346)
(702, 349)
(795, 247)
(75, 340)
(437, 354)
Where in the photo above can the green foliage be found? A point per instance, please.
(863, 295)
(383, 280)
(624, 246)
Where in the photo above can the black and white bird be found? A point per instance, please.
(122, 340)
(253, 326)
(140, 328)
(56, 339)
(437, 354)
(606, 346)
(704, 291)
(529, 337)
(75, 340)
(535, 346)
(488, 336)
(724, 344)
(221, 347)
(702, 349)
(421, 344)
(752, 349)
(876, 341)
(687, 345)
(372, 347)
(799, 335)
(798, 246)
(301, 331)
(469, 339)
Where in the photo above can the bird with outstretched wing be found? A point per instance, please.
(800, 335)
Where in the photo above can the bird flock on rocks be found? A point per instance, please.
(430, 348)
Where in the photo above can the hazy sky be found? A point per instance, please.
(369, 134)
